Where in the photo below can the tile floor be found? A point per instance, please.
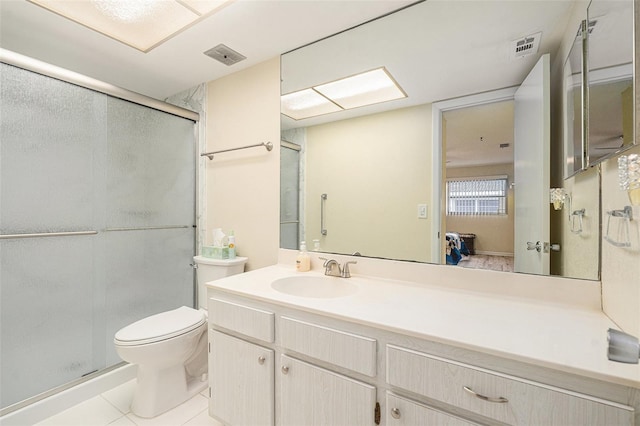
(112, 408)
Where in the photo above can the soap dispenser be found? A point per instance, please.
(303, 261)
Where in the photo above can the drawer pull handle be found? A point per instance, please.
(395, 413)
(499, 400)
(285, 369)
(261, 360)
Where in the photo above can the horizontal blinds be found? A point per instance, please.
(479, 196)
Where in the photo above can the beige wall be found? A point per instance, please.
(243, 186)
(375, 171)
(494, 234)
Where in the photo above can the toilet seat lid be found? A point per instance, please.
(161, 326)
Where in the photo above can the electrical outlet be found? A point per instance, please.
(422, 211)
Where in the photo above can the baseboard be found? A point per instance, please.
(54, 404)
(494, 253)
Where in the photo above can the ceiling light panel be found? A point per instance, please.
(141, 24)
(306, 103)
(367, 88)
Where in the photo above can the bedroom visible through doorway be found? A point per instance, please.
(479, 190)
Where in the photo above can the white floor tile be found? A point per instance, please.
(176, 417)
(122, 421)
(121, 396)
(93, 412)
(203, 419)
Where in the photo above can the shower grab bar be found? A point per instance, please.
(323, 199)
(148, 228)
(47, 234)
(267, 145)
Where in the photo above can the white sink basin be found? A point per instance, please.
(316, 287)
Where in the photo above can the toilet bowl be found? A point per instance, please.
(170, 348)
(162, 345)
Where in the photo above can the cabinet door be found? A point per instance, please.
(404, 412)
(314, 396)
(241, 380)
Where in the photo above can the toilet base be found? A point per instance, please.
(159, 391)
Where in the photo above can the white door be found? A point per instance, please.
(311, 395)
(241, 377)
(531, 170)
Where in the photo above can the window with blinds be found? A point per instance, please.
(477, 196)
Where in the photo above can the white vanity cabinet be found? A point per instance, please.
(310, 395)
(275, 363)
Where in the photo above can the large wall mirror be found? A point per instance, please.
(361, 168)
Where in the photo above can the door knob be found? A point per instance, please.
(285, 369)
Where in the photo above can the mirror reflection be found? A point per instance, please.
(373, 177)
(610, 76)
(573, 93)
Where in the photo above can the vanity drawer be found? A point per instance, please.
(513, 400)
(350, 351)
(246, 320)
(402, 411)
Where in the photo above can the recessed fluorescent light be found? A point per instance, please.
(367, 88)
(141, 24)
(306, 103)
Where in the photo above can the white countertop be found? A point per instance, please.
(563, 337)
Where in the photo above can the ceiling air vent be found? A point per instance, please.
(525, 46)
(225, 55)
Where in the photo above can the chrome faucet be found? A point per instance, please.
(333, 269)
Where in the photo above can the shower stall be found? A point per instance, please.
(97, 222)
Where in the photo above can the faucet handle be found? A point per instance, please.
(345, 269)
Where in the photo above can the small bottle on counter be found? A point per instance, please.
(232, 245)
(303, 261)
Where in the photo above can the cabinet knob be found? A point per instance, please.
(285, 369)
(261, 360)
(395, 413)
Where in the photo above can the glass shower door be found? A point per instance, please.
(150, 205)
(97, 213)
(289, 196)
(48, 172)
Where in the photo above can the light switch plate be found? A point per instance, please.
(422, 211)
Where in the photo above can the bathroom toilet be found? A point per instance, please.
(170, 348)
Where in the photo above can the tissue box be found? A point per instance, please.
(215, 252)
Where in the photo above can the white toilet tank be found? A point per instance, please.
(214, 269)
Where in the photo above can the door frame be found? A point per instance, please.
(438, 158)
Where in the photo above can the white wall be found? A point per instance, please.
(243, 186)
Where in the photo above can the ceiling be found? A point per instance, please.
(435, 50)
(474, 135)
(259, 30)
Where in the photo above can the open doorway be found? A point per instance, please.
(478, 148)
